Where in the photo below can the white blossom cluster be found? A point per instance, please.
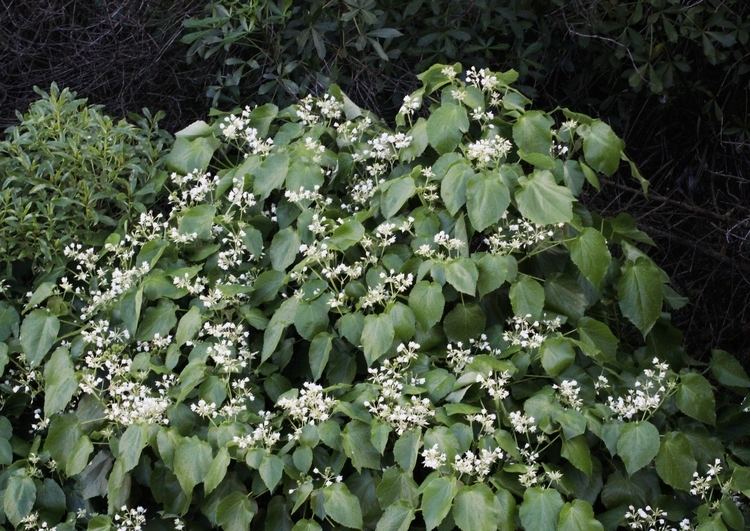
(568, 392)
(489, 151)
(479, 464)
(191, 189)
(652, 519)
(517, 235)
(701, 485)
(238, 128)
(410, 105)
(391, 406)
(310, 406)
(469, 463)
(445, 247)
(264, 434)
(310, 110)
(390, 285)
(646, 394)
(495, 385)
(387, 146)
(229, 349)
(459, 355)
(529, 333)
(129, 519)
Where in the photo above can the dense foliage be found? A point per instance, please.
(337, 324)
(69, 172)
(670, 76)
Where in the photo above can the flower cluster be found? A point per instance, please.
(646, 395)
(530, 334)
(652, 519)
(701, 485)
(518, 235)
(310, 406)
(391, 406)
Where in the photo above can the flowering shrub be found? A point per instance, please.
(336, 324)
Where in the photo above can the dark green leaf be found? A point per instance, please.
(638, 445)
(640, 293)
(437, 498)
(342, 506)
(38, 333)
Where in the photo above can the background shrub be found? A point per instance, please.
(339, 324)
(69, 173)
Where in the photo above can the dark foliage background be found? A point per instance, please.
(123, 54)
(671, 76)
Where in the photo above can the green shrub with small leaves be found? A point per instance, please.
(70, 172)
(341, 325)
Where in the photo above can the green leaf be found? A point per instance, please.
(159, 319)
(282, 317)
(271, 174)
(637, 445)
(675, 463)
(9, 320)
(597, 338)
(130, 446)
(67, 444)
(557, 355)
(437, 498)
(462, 274)
(19, 497)
(577, 516)
(527, 297)
(189, 325)
(540, 509)
(235, 512)
(6, 452)
(190, 154)
(601, 147)
(427, 302)
(216, 471)
(695, 398)
(475, 508)
(347, 234)
(406, 449)
(271, 470)
(307, 525)
(38, 333)
(543, 201)
(60, 382)
(396, 517)
(453, 186)
(445, 127)
(197, 221)
(311, 318)
(377, 336)
(284, 248)
(590, 254)
(640, 292)
(464, 322)
(320, 349)
(494, 270)
(399, 191)
(192, 459)
(727, 370)
(487, 198)
(356, 441)
(342, 506)
(532, 132)
(577, 452)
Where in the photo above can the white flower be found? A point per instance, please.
(433, 457)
